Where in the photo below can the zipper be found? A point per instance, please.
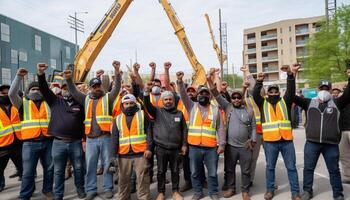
(321, 131)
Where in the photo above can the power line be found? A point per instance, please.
(77, 25)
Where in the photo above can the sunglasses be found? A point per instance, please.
(235, 97)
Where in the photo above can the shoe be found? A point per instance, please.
(296, 197)
(109, 194)
(91, 196)
(185, 187)
(133, 188)
(228, 193)
(214, 197)
(245, 196)
(48, 195)
(205, 184)
(99, 171)
(160, 196)
(81, 195)
(197, 196)
(68, 174)
(306, 195)
(339, 198)
(269, 195)
(14, 175)
(177, 196)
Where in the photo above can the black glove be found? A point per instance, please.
(113, 165)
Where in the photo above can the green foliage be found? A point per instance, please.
(329, 49)
(234, 81)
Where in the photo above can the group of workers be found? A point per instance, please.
(183, 127)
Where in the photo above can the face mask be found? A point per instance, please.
(273, 99)
(5, 100)
(35, 96)
(131, 110)
(156, 90)
(324, 95)
(56, 90)
(203, 100)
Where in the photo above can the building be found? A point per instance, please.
(24, 46)
(268, 47)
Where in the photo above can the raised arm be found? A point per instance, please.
(344, 99)
(214, 91)
(290, 92)
(259, 100)
(147, 101)
(117, 83)
(49, 96)
(153, 70)
(183, 95)
(78, 96)
(248, 78)
(138, 79)
(167, 66)
(14, 89)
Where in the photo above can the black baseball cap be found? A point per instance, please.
(273, 86)
(3, 87)
(325, 83)
(95, 81)
(202, 88)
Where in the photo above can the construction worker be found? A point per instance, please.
(241, 138)
(323, 136)
(98, 119)
(277, 132)
(170, 140)
(206, 139)
(67, 127)
(249, 102)
(131, 149)
(37, 144)
(10, 133)
(344, 145)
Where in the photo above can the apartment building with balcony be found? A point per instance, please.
(266, 48)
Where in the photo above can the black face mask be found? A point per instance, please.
(273, 99)
(194, 99)
(203, 100)
(5, 100)
(130, 110)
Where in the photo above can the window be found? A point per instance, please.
(23, 56)
(53, 63)
(290, 39)
(281, 41)
(37, 42)
(5, 32)
(67, 52)
(290, 28)
(14, 56)
(6, 76)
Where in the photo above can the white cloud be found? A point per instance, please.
(145, 26)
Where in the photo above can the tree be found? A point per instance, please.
(234, 81)
(329, 49)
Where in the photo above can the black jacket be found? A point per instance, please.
(169, 126)
(67, 119)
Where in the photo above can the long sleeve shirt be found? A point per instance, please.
(221, 131)
(80, 98)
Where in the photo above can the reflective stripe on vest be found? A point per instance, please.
(117, 106)
(276, 124)
(154, 101)
(250, 103)
(103, 118)
(34, 121)
(134, 137)
(9, 127)
(203, 133)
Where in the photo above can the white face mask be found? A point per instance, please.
(156, 90)
(324, 95)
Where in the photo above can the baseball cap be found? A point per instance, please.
(325, 83)
(203, 88)
(95, 81)
(273, 86)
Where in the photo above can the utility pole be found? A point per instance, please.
(221, 58)
(77, 25)
(331, 8)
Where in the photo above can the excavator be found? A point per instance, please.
(98, 38)
(215, 45)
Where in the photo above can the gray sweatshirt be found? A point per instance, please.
(241, 122)
(16, 100)
(221, 132)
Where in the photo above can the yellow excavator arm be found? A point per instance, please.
(199, 77)
(97, 39)
(215, 45)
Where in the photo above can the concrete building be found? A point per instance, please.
(266, 48)
(24, 46)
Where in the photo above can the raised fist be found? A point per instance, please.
(22, 72)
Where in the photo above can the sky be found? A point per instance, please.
(145, 27)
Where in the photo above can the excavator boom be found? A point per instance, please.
(199, 77)
(98, 38)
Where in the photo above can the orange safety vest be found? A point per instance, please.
(135, 137)
(9, 127)
(117, 105)
(250, 103)
(34, 121)
(181, 107)
(103, 118)
(203, 133)
(154, 102)
(276, 125)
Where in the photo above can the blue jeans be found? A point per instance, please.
(198, 158)
(31, 152)
(330, 154)
(61, 151)
(93, 148)
(287, 150)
